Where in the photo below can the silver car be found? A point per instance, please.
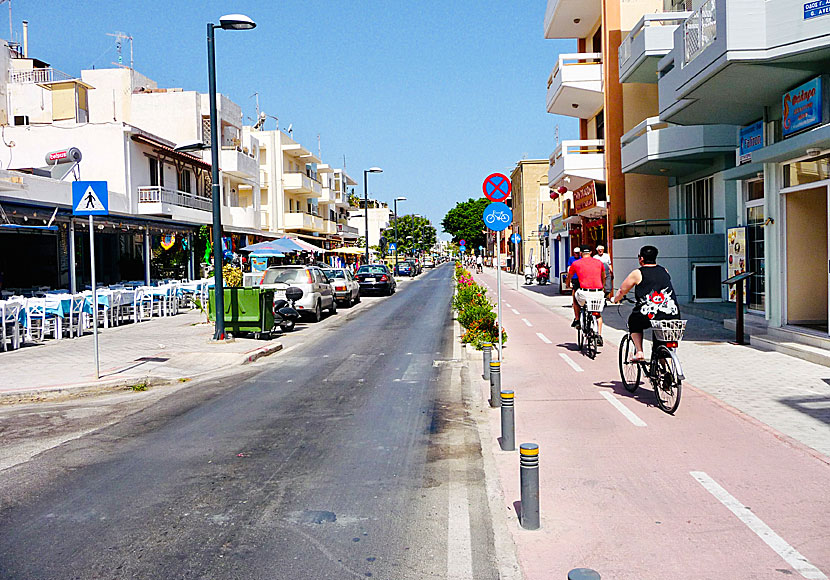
(318, 294)
(346, 287)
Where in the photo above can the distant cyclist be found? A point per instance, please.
(591, 275)
(654, 297)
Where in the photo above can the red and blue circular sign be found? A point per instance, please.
(496, 187)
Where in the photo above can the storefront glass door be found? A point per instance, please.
(756, 289)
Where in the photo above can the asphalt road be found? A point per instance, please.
(350, 455)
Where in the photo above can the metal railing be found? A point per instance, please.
(158, 194)
(666, 227)
(647, 21)
(699, 31)
(578, 147)
(38, 75)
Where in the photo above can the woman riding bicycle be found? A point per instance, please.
(654, 297)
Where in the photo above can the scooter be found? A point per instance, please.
(542, 275)
(285, 311)
(528, 278)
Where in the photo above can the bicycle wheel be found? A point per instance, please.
(666, 382)
(629, 371)
(580, 332)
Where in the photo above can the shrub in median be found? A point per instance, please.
(475, 311)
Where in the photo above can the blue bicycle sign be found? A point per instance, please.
(497, 216)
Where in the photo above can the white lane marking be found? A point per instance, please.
(515, 311)
(762, 530)
(628, 413)
(290, 348)
(543, 338)
(571, 363)
(506, 304)
(459, 540)
(526, 321)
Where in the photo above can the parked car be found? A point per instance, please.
(416, 266)
(318, 294)
(376, 278)
(429, 263)
(405, 269)
(345, 285)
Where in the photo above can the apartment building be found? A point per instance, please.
(529, 180)
(761, 67)
(299, 194)
(380, 218)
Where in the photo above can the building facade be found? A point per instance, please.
(529, 199)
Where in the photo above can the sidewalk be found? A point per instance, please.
(157, 351)
(637, 494)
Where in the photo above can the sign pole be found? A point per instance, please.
(498, 284)
(94, 296)
(516, 263)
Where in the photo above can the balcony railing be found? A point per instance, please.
(699, 31)
(158, 194)
(671, 19)
(38, 75)
(643, 127)
(666, 227)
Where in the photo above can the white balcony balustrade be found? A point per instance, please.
(574, 163)
(575, 85)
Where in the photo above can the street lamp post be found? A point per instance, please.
(366, 172)
(395, 201)
(229, 22)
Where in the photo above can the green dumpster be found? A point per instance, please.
(246, 310)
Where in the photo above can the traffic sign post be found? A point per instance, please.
(91, 198)
(516, 239)
(497, 216)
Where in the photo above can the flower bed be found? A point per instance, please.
(475, 311)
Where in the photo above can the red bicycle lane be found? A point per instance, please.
(637, 494)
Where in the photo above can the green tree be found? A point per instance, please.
(414, 232)
(464, 222)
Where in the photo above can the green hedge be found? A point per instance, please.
(475, 311)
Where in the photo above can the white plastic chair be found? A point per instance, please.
(142, 304)
(10, 324)
(115, 308)
(39, 322)
(77, 315)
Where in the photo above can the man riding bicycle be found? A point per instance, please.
(591, 275)
(654, 297)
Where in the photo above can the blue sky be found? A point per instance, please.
(438, 94)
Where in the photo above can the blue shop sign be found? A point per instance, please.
(816, 8)
(801, 107)
(752, 139)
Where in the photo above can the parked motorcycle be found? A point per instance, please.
(285, 311)
(528, 277)
(542, 274)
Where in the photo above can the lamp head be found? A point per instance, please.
(400, 199)
(236, 22)
(192, 146)
(375, 170)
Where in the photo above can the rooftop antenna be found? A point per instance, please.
(10, 18)
(256, 94)
(319, 150)
(119, 37)
(556, 135)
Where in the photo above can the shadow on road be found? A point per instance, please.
(644, 394)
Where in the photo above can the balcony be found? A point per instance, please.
(300, 183)
(243, 217)
(37, 76)
(575, 163)
(238, 163)
(328, 196)
(651, 39)
(160, 201)
(655, 147)
(735, 57)
(303, 221)
(575, 85)
(571, 18)
(329, 227)
(264, 220)
(347, 231)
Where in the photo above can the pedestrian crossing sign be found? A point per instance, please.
(90, 198)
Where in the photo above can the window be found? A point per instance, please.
(698, 202)
(802, 172)
(184, 180)
(600, 120)
(156, 172)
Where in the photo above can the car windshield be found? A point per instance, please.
(335, 273)
(372, 270)
(285, 276)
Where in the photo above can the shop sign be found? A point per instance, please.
(585, 197)
(752, 139)
(816, 8)
(736, 256)
(801, 107)
(556, 224)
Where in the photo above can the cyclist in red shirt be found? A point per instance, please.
(591, 275)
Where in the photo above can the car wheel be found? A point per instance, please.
(333, 309)
(318, 312)
(357, 299)
(349, 301)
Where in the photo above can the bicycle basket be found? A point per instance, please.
(668, 330)
(595, 304)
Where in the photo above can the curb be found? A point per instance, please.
(111, 385)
